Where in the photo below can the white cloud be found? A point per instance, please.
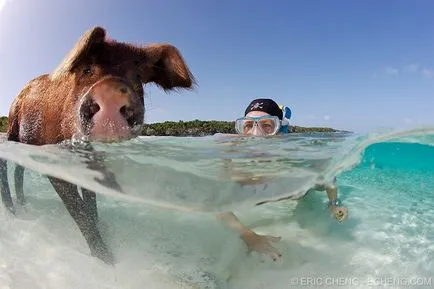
(412, 68)
(391, 70)
(3, 3)
(416, 68)
(427, 72)
(326, 117)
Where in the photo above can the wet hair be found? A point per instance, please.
(266, 105)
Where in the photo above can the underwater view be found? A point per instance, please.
(162, 227)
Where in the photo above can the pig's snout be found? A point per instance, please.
(108, 110)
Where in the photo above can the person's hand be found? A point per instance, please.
(340, 213)
(261, 243)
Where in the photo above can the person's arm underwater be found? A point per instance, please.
(254, 242)
(339, 212)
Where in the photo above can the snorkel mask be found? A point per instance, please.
(266, 125)
(275, 121)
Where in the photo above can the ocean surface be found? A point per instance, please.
(163, 231)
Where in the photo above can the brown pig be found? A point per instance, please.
(96, 94)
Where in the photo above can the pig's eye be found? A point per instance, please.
(87, 71)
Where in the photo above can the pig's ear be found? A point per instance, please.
(164, 65)
(89, 40)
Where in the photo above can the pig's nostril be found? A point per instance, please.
(128, 114)
(124, 111)
(93, 109)
(88, 109)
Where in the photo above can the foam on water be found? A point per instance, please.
(386, 181)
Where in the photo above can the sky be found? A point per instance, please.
(354, 65)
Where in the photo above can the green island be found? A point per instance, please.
(195, 128)
(3, 123)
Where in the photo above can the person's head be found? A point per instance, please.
(262, 117)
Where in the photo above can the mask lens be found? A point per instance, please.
(240, 126)
(248, 126)
(268, 126)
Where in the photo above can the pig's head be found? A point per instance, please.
(100, 84)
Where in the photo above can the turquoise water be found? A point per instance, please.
(163, 231)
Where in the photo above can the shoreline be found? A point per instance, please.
(197, 128)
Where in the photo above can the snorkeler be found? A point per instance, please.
(264, 117)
